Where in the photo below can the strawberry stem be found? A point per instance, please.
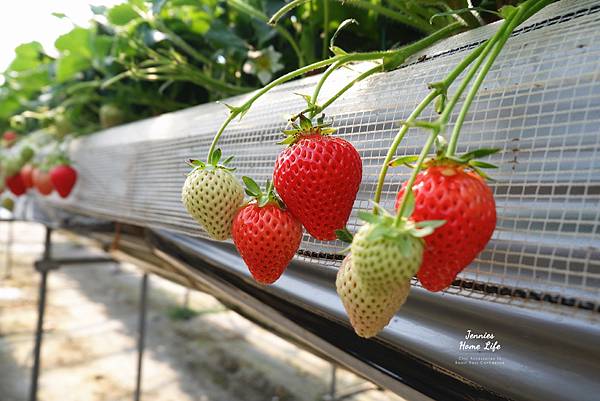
(396, 54)
(501, 38)
(495, 43)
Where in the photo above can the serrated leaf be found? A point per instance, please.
(344, 235)
(403, 160)
(251, 186)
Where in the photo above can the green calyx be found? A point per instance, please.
(262, 198)
(303, 126)
(391, 227)
(213, 163)
(469, 159)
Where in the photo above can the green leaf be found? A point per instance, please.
(121, 14)
(344, 235)
(227, 160)
(479, 153)
(404, 160)
(338, 51)
(305, 122)
(252, 187)
(288, 140)
(76, 41)
(480, 164)
(70, 65)
(368, 217)
(59, 15)
(430, 223)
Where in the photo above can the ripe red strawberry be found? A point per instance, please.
(41, 181)
(266, 235)
(318, 177)
(63, 179)
(27, 175)
(449, 191)
(15, 184)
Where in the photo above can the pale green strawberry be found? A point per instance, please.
(384, 260)
(369, 310)
(212, 194)
(388, 250)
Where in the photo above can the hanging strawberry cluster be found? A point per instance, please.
(444, 216)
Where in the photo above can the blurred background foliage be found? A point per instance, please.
(143, 58)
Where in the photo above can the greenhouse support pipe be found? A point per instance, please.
(39, 331)
(141, 335)
(9, 243)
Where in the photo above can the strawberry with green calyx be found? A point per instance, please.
(388, 250)
(265, 234)
(369, 310)
(211, 194)
(318, 176)
(453, 189)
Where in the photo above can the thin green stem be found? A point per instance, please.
(413, 176)
(285, 9)
(322, 80)
(404, 52)
(325, 28)
(370, 71)
(524, 11)
(398, 139)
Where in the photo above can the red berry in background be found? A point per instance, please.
(27, 175)
(9, 136)
(63, 179)
(41, 182)
(15, 184)
(266, 235)
(317, 177)
(463, 199)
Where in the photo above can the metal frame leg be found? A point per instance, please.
(43, 268)
(9, 243)
(141, 335)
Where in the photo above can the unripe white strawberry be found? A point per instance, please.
(383, 260)
(369, 310)
(211, 194)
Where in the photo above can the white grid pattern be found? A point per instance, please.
(540, 104)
